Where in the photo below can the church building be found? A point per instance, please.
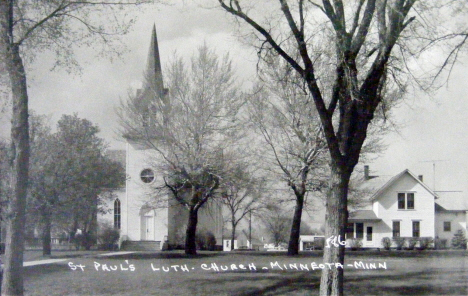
(147, 220)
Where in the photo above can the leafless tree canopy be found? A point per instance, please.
(375, 45)
(193, 128)
(62, 26)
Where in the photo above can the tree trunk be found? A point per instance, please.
(190, 236)
(12, 283)
(46, 244)
(335, 223)
(233, 233)
(293, 246)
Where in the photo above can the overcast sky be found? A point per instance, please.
(434, 127)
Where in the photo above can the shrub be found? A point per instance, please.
(205, 240)
(386, 243)
(425, 242)
(440, 243)
(211, 241)
(412, 241)
(355, 244)
(399, 242)
(85, 240)
(179, 238)
(459, 240)
(63, 237)
(108, 237)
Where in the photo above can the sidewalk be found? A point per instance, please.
(50, 261)
(42, 262)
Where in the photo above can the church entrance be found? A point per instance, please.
(147, 223)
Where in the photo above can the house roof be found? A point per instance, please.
(451, 201)
(365, 189)
(396, 178)
(363, 215)
(310, 238)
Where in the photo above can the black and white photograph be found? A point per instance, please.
(233, 147)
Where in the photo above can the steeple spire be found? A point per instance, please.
(154, 79)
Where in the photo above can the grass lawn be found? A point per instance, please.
(406, 273)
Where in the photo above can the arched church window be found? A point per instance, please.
(147, 175)
(117, 214)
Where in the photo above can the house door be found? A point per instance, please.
(369, 236)
(148, 226)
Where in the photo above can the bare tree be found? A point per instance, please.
(242, 195)
(27, 28)
(276, 222)
(364, 35)
(288, 122)
(192, 130)
(282, 114)
(451, 38)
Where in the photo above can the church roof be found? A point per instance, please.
(154, 78)
(153, 85)
(153, 95)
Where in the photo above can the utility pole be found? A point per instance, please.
(250, 229)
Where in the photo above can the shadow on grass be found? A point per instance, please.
(279, 283)
(444, 273)
(427, 282)
(37, 271)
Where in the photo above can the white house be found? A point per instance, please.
(308, 242)
(146, 220)
(404, 206)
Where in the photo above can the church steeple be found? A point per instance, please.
(154, 79)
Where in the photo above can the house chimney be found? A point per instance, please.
(420, 177)
(366, 173)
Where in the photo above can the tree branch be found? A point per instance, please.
(238, 12)
(359, 39)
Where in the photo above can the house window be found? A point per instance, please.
(406, 201)
(117, 214)
(369, 234)
(147, 175)
(410, 201)
(416, 228)
(447, 226)
(396, 228)
(401, 201)
(350, 230)
(359, 230)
